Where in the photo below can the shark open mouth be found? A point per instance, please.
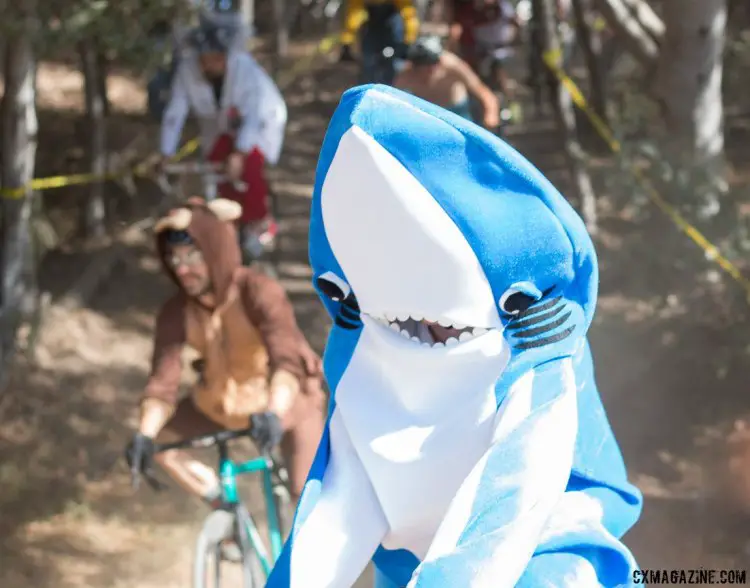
(429, 332)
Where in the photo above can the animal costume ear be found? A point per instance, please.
(177, 220)
(225, 210)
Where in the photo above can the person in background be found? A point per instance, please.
(486, 29)
(386, 28)
(443, 78)
(256, 369)
(241, 113)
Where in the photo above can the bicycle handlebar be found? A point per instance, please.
(212, 171)
(203, 441)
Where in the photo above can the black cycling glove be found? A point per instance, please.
(140, 456)
(266, 431)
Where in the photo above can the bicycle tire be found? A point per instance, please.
(217, 526)
(253, 575)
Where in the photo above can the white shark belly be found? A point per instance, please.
(416, 461)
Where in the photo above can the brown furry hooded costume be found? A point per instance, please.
(250, 338)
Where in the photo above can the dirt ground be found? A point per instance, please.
(670, 343)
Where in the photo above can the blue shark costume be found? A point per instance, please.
(483, 461)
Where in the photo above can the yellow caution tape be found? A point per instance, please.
(553, 59)
(324, 47)
(52, 182)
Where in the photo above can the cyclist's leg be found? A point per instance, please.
(301, 442)
(191, 474)
(254, 200)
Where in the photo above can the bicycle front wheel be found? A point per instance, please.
(218, 540)
(219, 525)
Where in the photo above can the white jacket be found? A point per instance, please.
(247, 87)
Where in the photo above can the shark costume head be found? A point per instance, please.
(466, 443)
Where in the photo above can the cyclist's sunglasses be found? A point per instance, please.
(189, 258)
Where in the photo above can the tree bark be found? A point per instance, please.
(591, 47)
(19, 140)
(102, 67)
(566, 118)
(690, 75)
(247, 9)
(94, 208)
(647, 17)
(281, 26)
(627, 18)
(689, 90)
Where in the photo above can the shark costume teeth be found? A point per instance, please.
(417, 329)
(466, 444)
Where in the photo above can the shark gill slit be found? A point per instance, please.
(345, 325)
(513, 326)
(537, 309)
(536, 331)
(546, 340)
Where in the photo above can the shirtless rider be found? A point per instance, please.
(443, 78)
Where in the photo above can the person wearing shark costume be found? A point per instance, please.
(466, 444)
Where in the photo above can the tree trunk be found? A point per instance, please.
(94, 208)
(591, 47)
(637, 25)
(566, 118)
(19, 138)
(690, 75)
(281, 25)
(247, 9)
(102, 66)
(689, 86)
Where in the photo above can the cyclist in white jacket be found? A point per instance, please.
(240, 111)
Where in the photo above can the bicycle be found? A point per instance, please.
(232, 520)
(258, 246)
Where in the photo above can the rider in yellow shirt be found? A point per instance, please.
(384, 25)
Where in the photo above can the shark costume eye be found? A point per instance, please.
(518, 298)
(334, 287)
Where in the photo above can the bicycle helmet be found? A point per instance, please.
(426, 50)
(211, 38)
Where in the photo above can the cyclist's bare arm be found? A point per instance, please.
(474, 85)
(162, 389)
(291, 360)
(175, 114)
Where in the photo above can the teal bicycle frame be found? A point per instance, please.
(229, 471)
